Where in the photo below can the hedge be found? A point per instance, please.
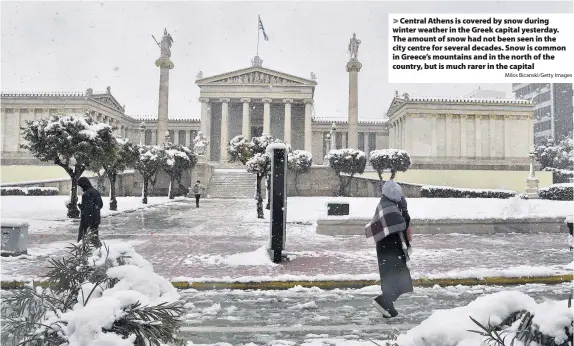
(29, 191)
(558, 192)
(452, 192)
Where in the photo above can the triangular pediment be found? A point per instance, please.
(109, 101)
(255, 76)
(395, 104)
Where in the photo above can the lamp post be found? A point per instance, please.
(142, 133)
(532, 181)
(333, 136)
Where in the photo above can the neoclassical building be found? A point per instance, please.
(442, 133)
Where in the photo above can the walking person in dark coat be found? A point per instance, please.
(390, 230)
(198, 190)
(90, 211)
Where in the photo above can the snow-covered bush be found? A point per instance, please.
(510, 314)
(558, 192)
(348, 161)
(148, 164)
(299, 162)
(175, 161)
(29, 191)
(70, 142)
(428, 191)
(560, 175)
(393, 160)
(259, 164)
(239, 149)
(98, 296)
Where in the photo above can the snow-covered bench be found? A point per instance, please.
(14, 237)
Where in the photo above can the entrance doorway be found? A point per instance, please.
(256, 131)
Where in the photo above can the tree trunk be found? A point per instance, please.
(73, 211)
(145, 188)
(341, 185)
(393, 174)
(113, 202)
(100, 183)
(348, 187)
(171, 193)
(153, 180)
(259, 198)
(296, 180)
(380, 175)
(268, 185)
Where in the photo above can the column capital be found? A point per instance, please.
(224, 100)
(266, 100)
(308, 101)
(354, 66)
(287, 100)
(203, 99)
(245, 100)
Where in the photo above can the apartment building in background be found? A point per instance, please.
(553, 113)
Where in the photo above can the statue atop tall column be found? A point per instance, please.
(165, 64)
(354, 47)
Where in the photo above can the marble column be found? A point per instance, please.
(491, 136)
(164, 63)
(246, 121)
(366, 143)
(188, 139)
(224, 128)
(175, 136)
(154, 137)
(308, 133)
(17, 134)
(267, 116)
(448, 135)
(287, 126)
(434, 135)
(463, 150)
(478, 137)
(353, 67)
(507, 147)
(203, 117)
(3, 116)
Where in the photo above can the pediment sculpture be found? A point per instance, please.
(256, 78)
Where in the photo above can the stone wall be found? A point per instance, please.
(130, 183)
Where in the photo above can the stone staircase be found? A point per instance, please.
(231, 183)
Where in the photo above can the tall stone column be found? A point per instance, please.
(492, 142)
(308, 125)
(203, 116)
(246, 121)
(287, 130)
(224, 142)
(353, 67)
(165, 64)
(154, 137)
(463, 130)
(478, 137)
(507, 139)
(448, 134)
(366, 143)
(267, 116)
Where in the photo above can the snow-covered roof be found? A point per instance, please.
(43, 94)
(153, 117)
(465, 99)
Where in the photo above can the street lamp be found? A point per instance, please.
(142, 133)
(333, 136)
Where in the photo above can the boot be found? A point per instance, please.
(386, 307)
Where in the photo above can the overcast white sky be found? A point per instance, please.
(72, 46)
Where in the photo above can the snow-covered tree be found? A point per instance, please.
(148, 164)
(175, 161)
(259, 164)
(559, 155)
(118, 157)
(96, 297)
(239, 149)
(348, 161)
(394, 160)
(70, 142)
(299, 162)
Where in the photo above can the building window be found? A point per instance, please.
(147, 137)
(181, 137)
(362, 141)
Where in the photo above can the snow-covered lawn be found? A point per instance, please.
(309, 209)
(43, 212)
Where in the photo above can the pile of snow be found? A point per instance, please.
(137, 282)
(29, 191)
(452, 326)
(259, 257)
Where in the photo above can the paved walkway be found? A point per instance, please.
(216, 240)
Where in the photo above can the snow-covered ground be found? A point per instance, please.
(46, 212)
(309, 209)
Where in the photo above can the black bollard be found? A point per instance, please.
(278, 194)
